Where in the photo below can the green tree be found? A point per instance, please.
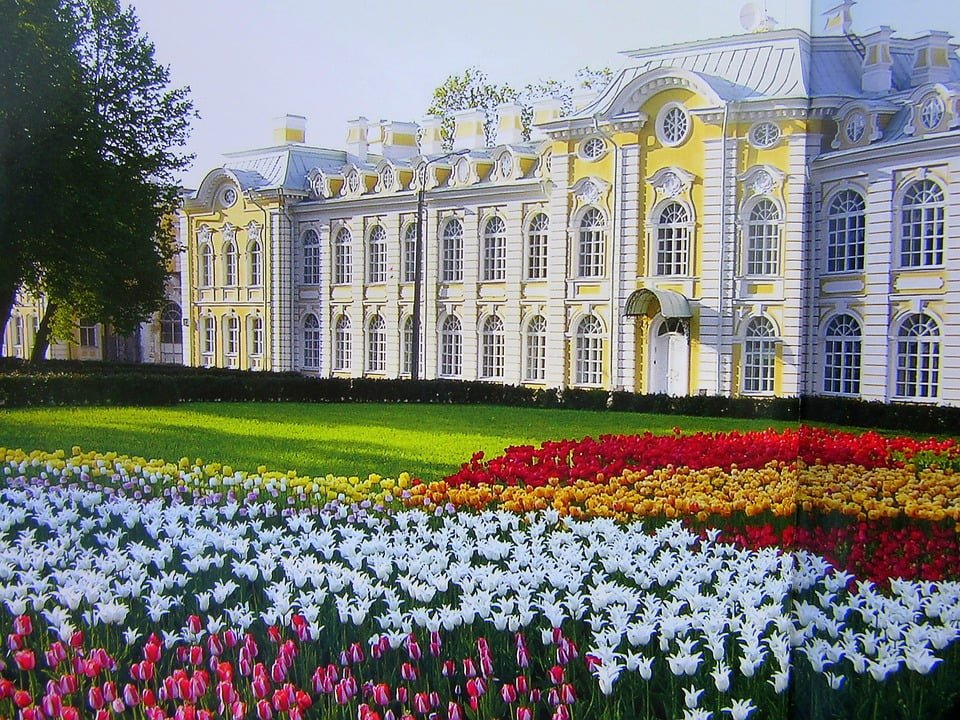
(472, 89)
(43, 118)
(111, 249)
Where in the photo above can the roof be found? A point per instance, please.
(281, 168)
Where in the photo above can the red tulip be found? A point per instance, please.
(524, 713)
(556, 674)
(264, 711)
(22, 625)
(131, 696)
(52, 705)
(421, 703)
(381, 694)
(25, 660)
(194, 624)
(448, 669)
(21, 698)
(69, 712)
(408, 672)
(509, 693)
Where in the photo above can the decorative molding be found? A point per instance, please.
(672, 182)
(591, 191)
(229, 232)
(254, 230)
(763, 180)
(204, 234)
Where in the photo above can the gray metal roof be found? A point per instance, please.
(285, 167)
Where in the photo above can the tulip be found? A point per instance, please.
(409, 672)
(509, 693)
(194, 624)
(76, 640)
(131, 695)
(215, 645)
(22, 698)
(448, 668)
(264, 711)
(413, 647)
(402, 694)
(69, 712)
(524, 713)
(567, 695)
(25, 660)
(148, 698)
(469, 668)
(421, 703)
(238, 710)
(556, 674)
(381, 694)
(52, 705)
(110, 691)
(22, 625)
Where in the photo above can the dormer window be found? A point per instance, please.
(228, 196)
(854, 127)
(353, 182)
(463, 170)
(673, 125)
(387, 178)
(932, 111)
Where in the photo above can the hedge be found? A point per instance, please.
(86, 383)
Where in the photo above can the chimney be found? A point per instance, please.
(375, 138)
(469, 133)
(431, 143)
(398, 139)
(931, 60)
(509, 124)
(877, 77)
(545, 110)
(289, 129)
(357, 138)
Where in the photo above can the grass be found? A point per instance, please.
(429, 441)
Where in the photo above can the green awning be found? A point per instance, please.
(672, 304)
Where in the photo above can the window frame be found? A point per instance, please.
(759, 357)
(915, 343)
(376, 360)
(231, 264)
(591, 244)
(88, 335)
(377, 255)
(842, 356)
(492, 348)
(410, 253)
(311, 257)
(342, 344)
(257, 337)
(231, 336)
(538, 243)
(450, 359)
(494, 248)
(673, 241)
(311, 341)
(588, 352)
(451, 252)
(535, 350)
(255, 253)
(343, 257)
(846, 222)
(927, 248)
(763, 250)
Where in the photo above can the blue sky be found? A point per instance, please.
(250, 61)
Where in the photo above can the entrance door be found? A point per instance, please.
(669, 357)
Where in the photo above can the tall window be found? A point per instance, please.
(377, 345)
(88, 333)
(673, 240)
(206, 265)
(406, 362)
(311, 342)
(256, 336)
(171, 325)
(451, 348)
(590, 253)
(536, 351)
(230, 264)
(537, 236)
(342, 344)
(759, 351)
(922, 225)
(255, 252)
(491, 349)
(377, 255)
(763, 239)
(343, 258)
(232, 339)
(588, 368)
(451, 252)
(918, 357)
(495, 250)
(410, 253)
(846, 223)
(311, 258)
(18, 330)
(209, 340)
(842, 347)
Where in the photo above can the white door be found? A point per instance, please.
(669, 358)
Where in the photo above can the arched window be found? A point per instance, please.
(922, 225)
(229, 263)
(918, 357)
(846, 224)
(231, 331)
(208, 341)
(537, 237)
(451, 253)
(535, 369)
(171, 325)
(673, 240)
(759, 352)
(407, 360)
(311, 258)
(451, 348)
(256, 336)
(342, 344)
(410, 253)
(492, 349)
(343, 258)
(206, 265)
(494, 250)
(377, 255)
(311, 342)
(590, 252)
(842, 356)
(588, 368)
(255, 253)
(377, 345)
(763, 239)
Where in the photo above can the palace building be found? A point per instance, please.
(768, 214)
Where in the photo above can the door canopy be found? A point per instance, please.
(646, 302)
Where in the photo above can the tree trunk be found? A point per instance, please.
(42, 341)
(7, 297)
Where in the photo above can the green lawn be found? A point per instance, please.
(429, 441)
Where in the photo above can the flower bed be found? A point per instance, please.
(135, 588)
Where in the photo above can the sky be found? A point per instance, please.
(249, 62)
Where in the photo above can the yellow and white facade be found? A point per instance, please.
(771, 214)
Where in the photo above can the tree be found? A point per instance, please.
(108, 261)
(473, 90)
(43, 116)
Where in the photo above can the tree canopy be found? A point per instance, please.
(88, 169)
(473, 89)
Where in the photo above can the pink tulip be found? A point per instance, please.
(264, 711)
(567, 695)
(455, 711)
(381, 694)
(421, 703)
(194, 624)
(25, 660)
(52, 705)
(413, 647)
(509, 693)
(524, 713)
(408, 672)
(131, 696)
(22, 625)
(469, 668)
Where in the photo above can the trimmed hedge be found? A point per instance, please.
(86, 383)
